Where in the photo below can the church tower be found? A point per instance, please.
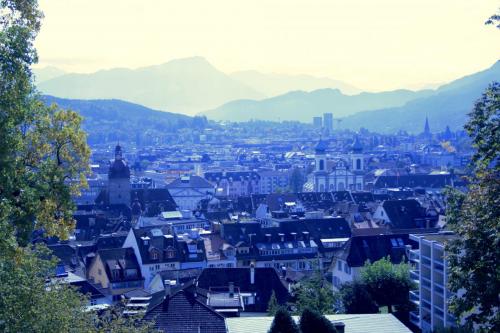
(320, 172)
(357, 156)
(427, 129)
(119, 180)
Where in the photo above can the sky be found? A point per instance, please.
(373, 45)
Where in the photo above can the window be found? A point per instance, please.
(358, 164)
(336, 281)
(99, 271)
(93, 301)
(339, 265)
(154, 255)
(321, 165)
(347, 269)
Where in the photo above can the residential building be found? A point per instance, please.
(431, 275)
(116, 270)
(181, 311)
(347, 263)
(253, 285)
(189, 190)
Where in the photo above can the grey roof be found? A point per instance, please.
(356, 323)
(189, 182)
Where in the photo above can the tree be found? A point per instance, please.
(273, 306)
(388, 284)
(314, 322)
(43, 162)
(314, 293)
(356, 299)
(283, 323)
(475, 218)
(494, 20)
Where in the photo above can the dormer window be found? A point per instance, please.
(154, 254)
(170, 253)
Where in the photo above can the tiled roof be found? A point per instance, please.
(266, 281)
(403, 213)
(359, 249)
(182, 312)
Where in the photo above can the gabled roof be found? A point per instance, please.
(121, 259)
(403, 213)
(158, 239)
(266, 280)
(190, 182)
(359, 249)
(182, 312)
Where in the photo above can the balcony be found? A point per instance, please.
(415, 275)
(415, 297)
(414, 255)
(415, 318)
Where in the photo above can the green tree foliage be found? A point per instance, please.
(43, 153)
(314, 322)
(314, 293)
(388, 284)
(474, 273)
(43, 162)
(494, 20)
(28, 303)
(356, 299)
(283, 323)
(273, 306)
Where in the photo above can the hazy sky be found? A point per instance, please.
(372, 44)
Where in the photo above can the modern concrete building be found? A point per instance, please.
(328, 121)
(430, 274)
(318, 122)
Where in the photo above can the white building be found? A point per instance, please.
(430, 274)
(346, 174)
(188, 191)
(273, 180)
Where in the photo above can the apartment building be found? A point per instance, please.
(430, 275)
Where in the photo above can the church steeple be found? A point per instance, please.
(118, 152)
(427, 129)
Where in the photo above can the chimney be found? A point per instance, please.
(252, 274)
(231, 289)
(294, 235)
(339, 326)
(282, 237)
(305, 235)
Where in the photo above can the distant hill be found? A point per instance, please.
(302, 106)
(448, 106)
(47, 73)
(185, 86)
(278, 84)
(112, 120)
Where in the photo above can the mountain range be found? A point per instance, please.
(193, 85)
(302, 106)
(449, 105)
(188, 85)
(112, 120)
